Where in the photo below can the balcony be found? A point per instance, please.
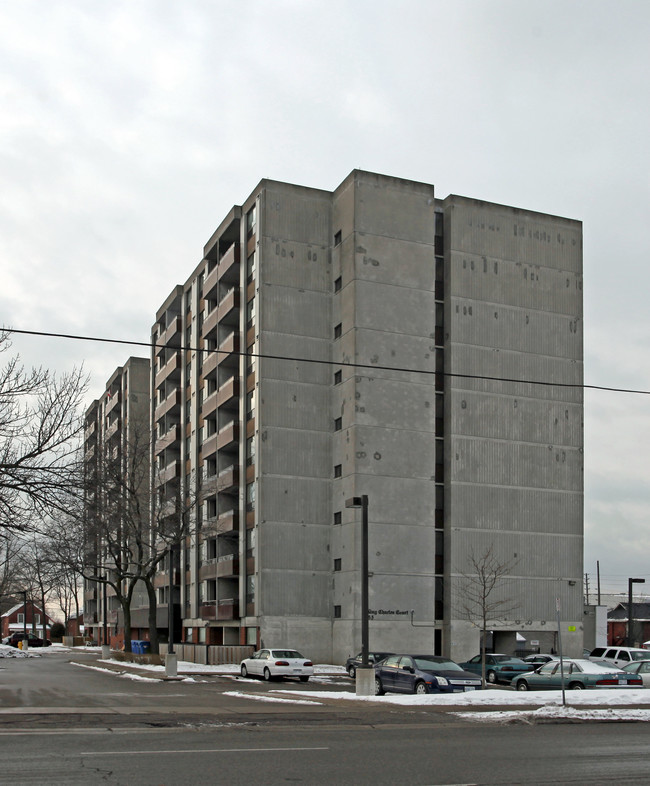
(228, 393)
(228, 566)
(168, 439)
(209, 446)
(228, 268)
(170, 472)
(210, 362)
(112, 430)
(210, 323)
(209, 404)
(228, 352)
(172, 402)
(226, 523)
(210, 281)
(228, 480)
(228, 308)
(171, 337)
(171, 370)
(89, 455)
(90, 432)
(209, 610)
(228, 435)
(112, 402)
(228, 609)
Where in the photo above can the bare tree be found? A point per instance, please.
(11, 546)
(484, 599)
(40, 425)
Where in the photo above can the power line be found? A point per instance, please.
(338, 363)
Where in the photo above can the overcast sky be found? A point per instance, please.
(128, 129)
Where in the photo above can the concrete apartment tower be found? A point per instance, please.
(373, 341)
(116, 425)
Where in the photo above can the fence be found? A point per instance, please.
(209, 654)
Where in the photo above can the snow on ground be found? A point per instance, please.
(6, 651)
(266, 697)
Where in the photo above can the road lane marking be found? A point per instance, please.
(197, 750)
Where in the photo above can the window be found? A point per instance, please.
(338, 330)
(251, 221)
(338, 424)
(337, 564)
(337, 612)
(21, 618)
(338, 284)
(337, 517)
(250, 313)
(338, 377)
(337, 238)
(250, 451)
(250, 268)
(250, 496)
(250, 405)
(250, 589)
(338, 470)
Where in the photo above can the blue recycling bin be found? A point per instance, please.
(136, 648)
(145, 647)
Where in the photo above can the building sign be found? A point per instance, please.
(372, 613)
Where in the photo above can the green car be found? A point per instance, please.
(498, 667)
(578, 675)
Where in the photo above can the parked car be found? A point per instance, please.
(422, 674)
(619, 656)
(642, 668)
(539, 659)
(32, 640)
(498, 667)
(373, 658)
(579, 674)
(271, 663)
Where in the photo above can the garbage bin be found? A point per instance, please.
(145, 647)
(135, 647)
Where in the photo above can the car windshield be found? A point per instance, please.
(286, 654)
(430, 664)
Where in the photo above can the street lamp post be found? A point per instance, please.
(630, 613)
(25, 640)
(365, 674)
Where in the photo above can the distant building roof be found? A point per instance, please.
(640, 612)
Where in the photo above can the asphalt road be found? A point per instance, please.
(62, 723)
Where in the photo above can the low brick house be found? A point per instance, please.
(22, 616)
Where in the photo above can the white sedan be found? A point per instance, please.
(277, 663)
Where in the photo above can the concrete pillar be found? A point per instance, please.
(106, 651)
(171, 664)
(365, 681)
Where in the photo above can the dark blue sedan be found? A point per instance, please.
(422, 674)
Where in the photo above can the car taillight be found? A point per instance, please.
(635, 681)
(507, 668)
(607, 682)
(307, 663)
(281, 662)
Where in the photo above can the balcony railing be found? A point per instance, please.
(171, 370)
(171, 336)
(227, 269)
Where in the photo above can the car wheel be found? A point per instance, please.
(352, 672)
(304, 679)
(379, 688)
(267, 674)
(244, 671)
(522, 685)
(492, 677)
(576, 686)
(420, 688)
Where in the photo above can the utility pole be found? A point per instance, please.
(587, 588)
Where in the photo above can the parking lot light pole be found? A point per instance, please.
(630, 613)
(365, 682)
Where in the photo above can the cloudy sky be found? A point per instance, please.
(128, 129)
